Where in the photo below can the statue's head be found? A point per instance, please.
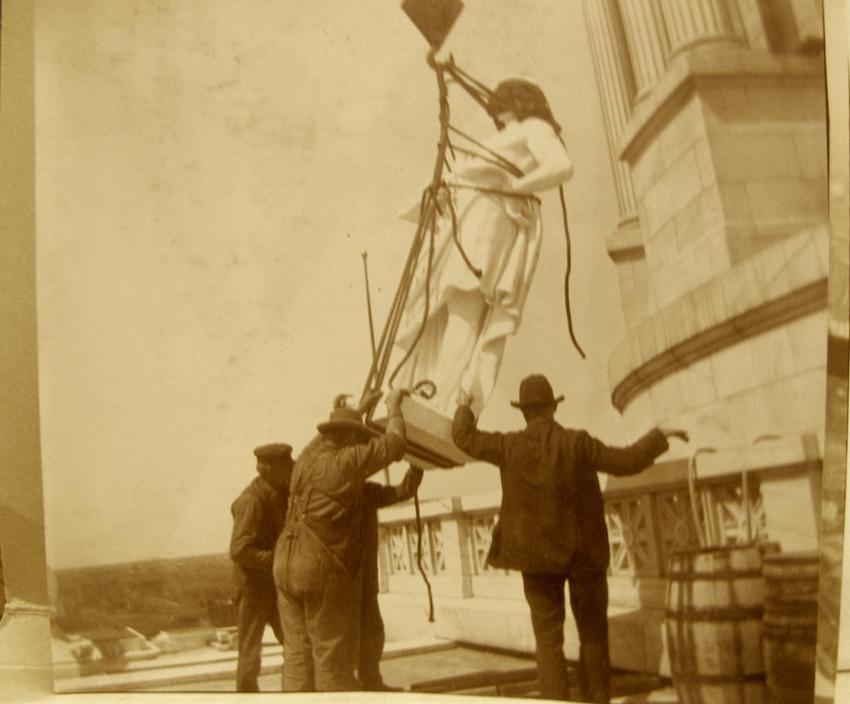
(521, 98)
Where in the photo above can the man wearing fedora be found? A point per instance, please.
(318, 558)
(258, 517)
(552, 529)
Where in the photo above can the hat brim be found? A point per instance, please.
(346, 425)
(556, 401)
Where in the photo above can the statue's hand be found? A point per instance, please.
(670, 432)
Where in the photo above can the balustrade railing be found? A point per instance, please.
(647, 521)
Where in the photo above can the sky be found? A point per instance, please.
(208, 174)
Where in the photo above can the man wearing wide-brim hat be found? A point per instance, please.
(318, 559)
(258, 518)
(552, 527)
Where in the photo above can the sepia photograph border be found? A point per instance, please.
(26, 665)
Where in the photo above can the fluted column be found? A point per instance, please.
(690, 22)
(616, 87)
(647, 42)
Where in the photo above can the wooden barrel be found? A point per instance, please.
(715, 605)
(790, 626)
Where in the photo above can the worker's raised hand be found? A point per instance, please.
(464, 398)
(394, 398)
(414, 475)
(410, 483)
(670, 432)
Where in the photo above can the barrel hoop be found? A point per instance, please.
(731, 614)
(693, 576)
(783, 578)
(797, 611)
(789, 636)
(720, 679)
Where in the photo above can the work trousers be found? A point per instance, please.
(257, 607)
(372, 637)
(319, 605)
(589, 602)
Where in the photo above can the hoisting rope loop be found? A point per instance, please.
(432, 230)
(425, 388)
(419, 558)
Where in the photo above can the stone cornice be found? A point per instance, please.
(625, 243)
(776, 285)
(706, 63)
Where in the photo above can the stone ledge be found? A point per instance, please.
(767, 456)
(428, 509)
(437, 508)
(706, 63)
(780, 283)
(626, 243)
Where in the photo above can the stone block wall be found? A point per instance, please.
(726, 158)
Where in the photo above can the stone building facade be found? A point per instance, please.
(715, 117)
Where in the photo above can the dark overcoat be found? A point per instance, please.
(551, 509)
(259, 514)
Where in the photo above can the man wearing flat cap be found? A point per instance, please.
(318, 558)
(552, 526)
(258, 517)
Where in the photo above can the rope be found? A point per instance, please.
(474, 269)
(567, 274)
(419, 558)
(480, 93)
(503, 162)
(496, 191)
(427, 310)
(426, 388)
(369, 305)
(702, 537)
(380, 363)
(470, 152)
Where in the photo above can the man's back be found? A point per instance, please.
(552, 505)
(259, 513)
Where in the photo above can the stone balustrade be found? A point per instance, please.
(739, 495)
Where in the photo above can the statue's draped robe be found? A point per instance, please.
(501, 236)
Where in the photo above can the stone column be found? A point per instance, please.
(647, 42)
(616, 88)
(690, 22)
(453, 530)
(616, 82)
(25, 658)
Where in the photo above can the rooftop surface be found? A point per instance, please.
(421, 666)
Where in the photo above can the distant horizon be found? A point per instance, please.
(108, 565)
